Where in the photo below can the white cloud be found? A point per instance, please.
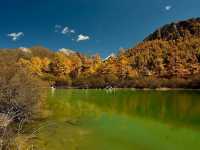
(57, 27)
(82, 37)
(72, 31)
(168, 7)
(15, 36)
(65, 30)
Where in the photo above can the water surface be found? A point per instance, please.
(121, 120)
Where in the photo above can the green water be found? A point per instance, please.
(121, 120)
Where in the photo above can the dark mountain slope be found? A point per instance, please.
(177, 30)
(171, 51)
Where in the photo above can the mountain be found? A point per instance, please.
(67, 51)
(169, 57)
(112, 55)
(25, 50)
(172, 51)
(177, 30)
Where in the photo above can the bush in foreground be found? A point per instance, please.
(21, 98)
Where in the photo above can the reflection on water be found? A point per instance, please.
(122, 120)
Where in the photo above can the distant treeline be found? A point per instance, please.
(170, 57)
(151, 64)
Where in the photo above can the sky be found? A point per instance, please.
(87, 26)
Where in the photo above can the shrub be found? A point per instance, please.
(63, 81)
(21, 94)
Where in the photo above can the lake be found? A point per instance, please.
(121, 119)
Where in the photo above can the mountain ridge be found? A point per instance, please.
(170, 59)
(176, 30)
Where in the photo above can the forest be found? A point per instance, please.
(168, 58)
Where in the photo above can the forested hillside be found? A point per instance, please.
(169, 57)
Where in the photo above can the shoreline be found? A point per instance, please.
(134, 89)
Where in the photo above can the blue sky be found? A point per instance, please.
(88, 26)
